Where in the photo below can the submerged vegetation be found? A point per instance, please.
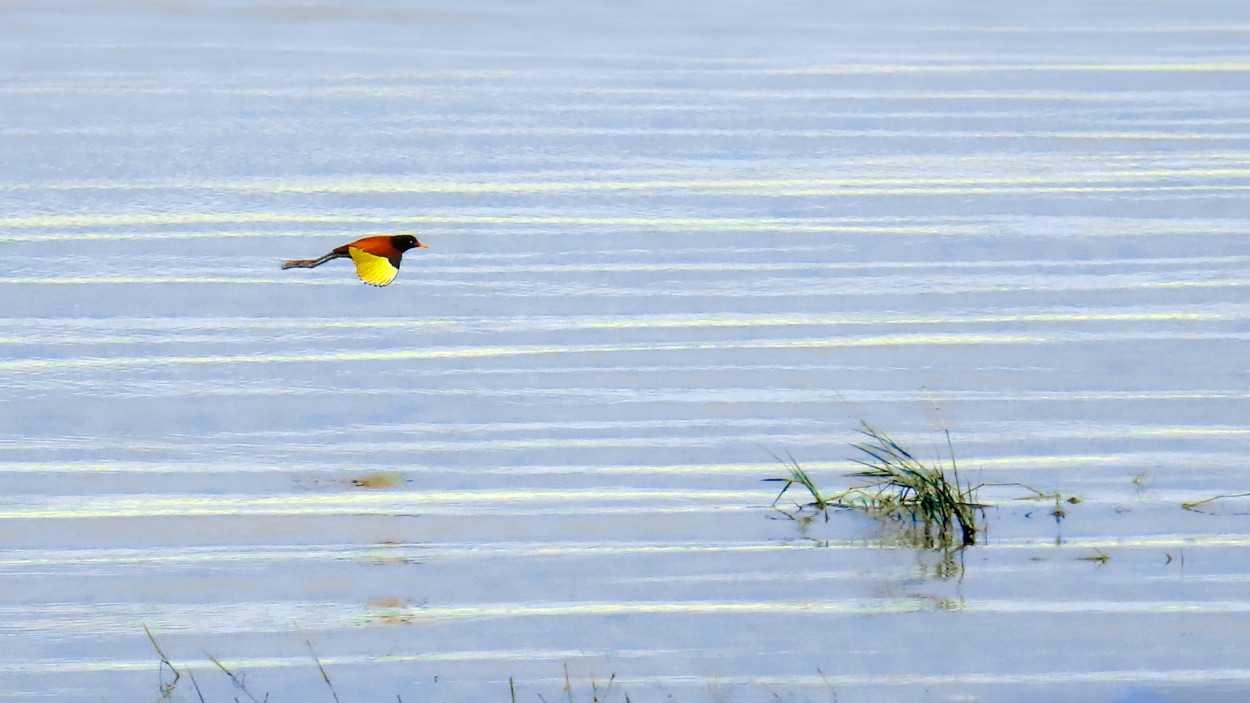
(1058, 512)
(1098, 557)
(900, 487)
(1198, 506)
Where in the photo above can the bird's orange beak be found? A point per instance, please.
(422, 245)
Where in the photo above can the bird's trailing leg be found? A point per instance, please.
(313, 263)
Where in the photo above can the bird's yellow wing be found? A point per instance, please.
(373, 269)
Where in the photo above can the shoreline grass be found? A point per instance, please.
(600, 691)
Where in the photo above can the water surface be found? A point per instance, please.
(667, 242)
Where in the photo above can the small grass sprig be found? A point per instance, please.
(819, 503)
(167, 689)
(1196, 505)
(1058, 512)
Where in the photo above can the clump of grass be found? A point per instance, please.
(900, 487)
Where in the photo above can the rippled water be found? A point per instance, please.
(668, 241)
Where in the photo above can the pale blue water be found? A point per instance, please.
(667, 241)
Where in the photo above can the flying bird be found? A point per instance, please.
(376, 258)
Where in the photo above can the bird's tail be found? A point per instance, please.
(310, 263)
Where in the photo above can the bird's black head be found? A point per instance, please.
(404, 242)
